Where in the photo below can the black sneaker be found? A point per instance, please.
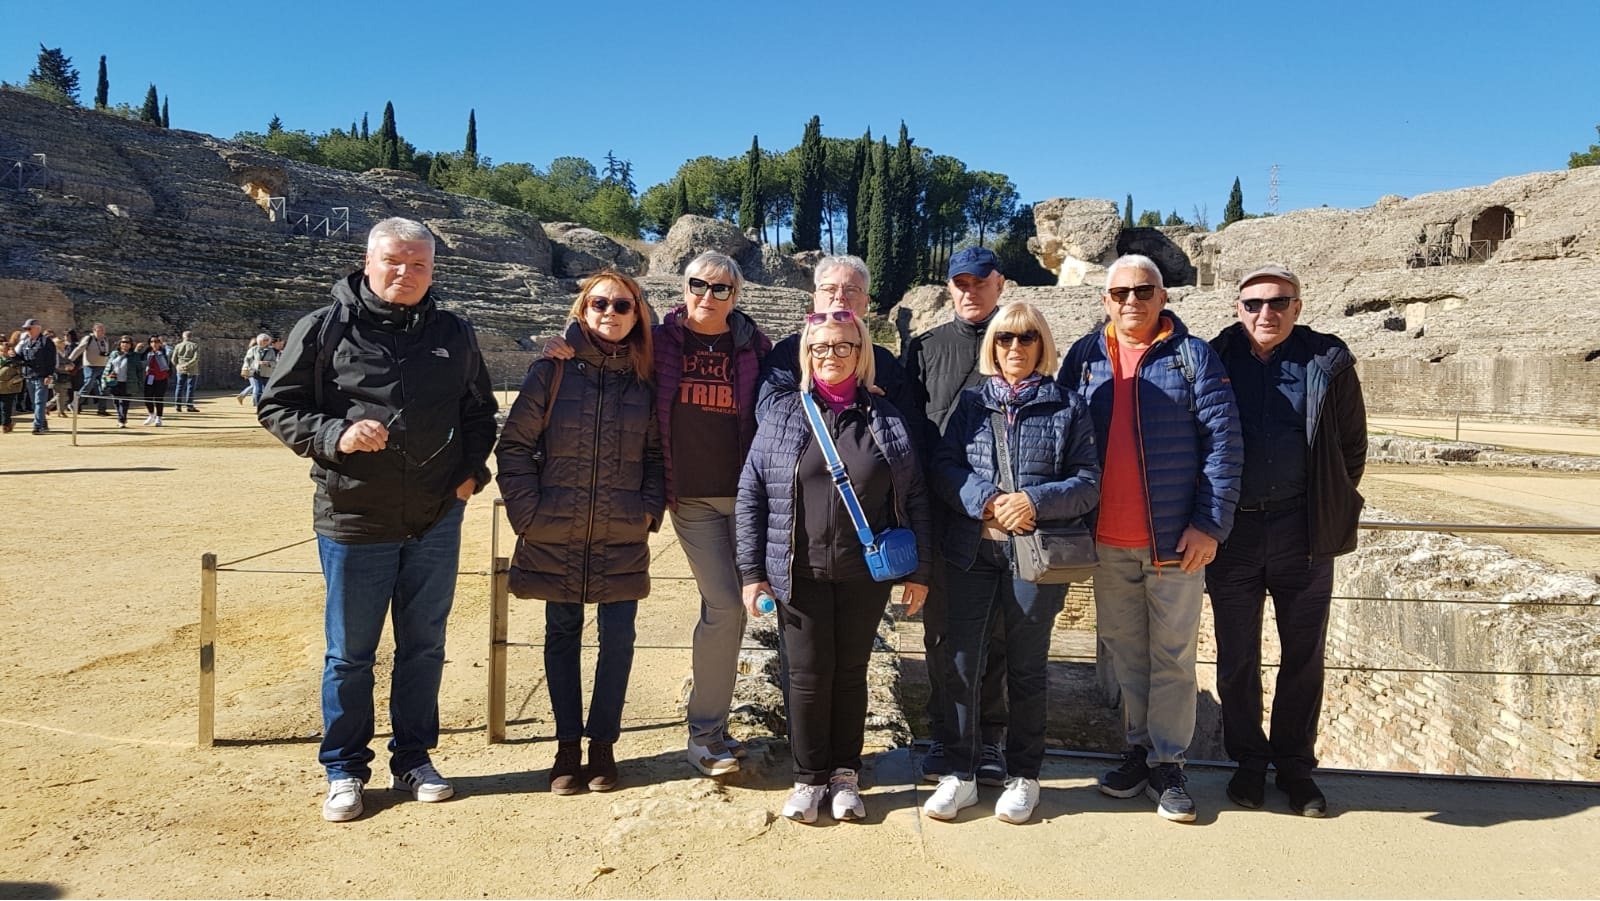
(992, 767)
(935, 764)
(1166, 788)
(1248, 788)
(1304, 796)
(1129, 779)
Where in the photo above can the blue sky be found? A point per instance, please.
(1169, 101)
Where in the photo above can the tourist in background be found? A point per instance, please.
(1053, 474)
(157, 376)
(797, 543)
(579, 465)
(186, 361)
(1305, 448)
(120, 372)
(66, 370)
(11, 381)
(92, 351)
(38, 355)
(259, 362)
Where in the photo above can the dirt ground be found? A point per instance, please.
(108, 795)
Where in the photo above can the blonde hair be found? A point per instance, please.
(1018, 317)
(866, 371)
(641, 348)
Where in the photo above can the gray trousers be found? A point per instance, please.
(1149, 620)
(705, 528)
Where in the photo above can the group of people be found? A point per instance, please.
(40, 370)
(804, 479)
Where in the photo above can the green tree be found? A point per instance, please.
(680, 200)
(349, 152)
(1127, 213)
(365, 136)
(1174, 219)
(993, 200)
(856, 199)
(1016, 261)
(388, 139)
(880, 227)
(152, 107)
(750, 205)
(166, 114)
(53, 77)
(619, 172)
(102, 87)
(1590, 157)
(1234, 211)
(905, 185)
(1149, 219)
(439, 171)
(471, 149)
(274, 126)
(808, 188)
(611, 209)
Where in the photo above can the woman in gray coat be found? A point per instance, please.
(580, 468)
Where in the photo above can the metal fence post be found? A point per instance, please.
(499, 593)
(208, 651)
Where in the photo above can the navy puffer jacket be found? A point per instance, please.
(765, 508)
(1190, 445)
(1052, 454)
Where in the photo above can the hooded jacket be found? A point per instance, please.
(583, 494)
(416, 369)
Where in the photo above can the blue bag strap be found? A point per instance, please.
(841, 479)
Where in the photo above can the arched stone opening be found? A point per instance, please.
(1489, 228)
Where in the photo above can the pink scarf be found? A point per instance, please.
(839, 396)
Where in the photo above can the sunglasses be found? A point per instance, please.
(1026, 339)
(699, 287)
(622, 306)
(830, 316)
(841, 350)
(396, 427)
(1140, 292)
(1278, 304)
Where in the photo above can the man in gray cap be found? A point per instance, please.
(38, 355)
(1305, 447)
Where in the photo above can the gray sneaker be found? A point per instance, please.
(424, 783)
(711, 758)
(803, 802)
(992, 767)
(1166, 788)
(344, 800)
(844, 787)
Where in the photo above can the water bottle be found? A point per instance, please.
(766, 603)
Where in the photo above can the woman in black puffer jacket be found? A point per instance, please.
(581, 472)
(1056, 479)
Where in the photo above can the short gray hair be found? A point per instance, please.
(842, 261)
(400, 229)
(263, 335)
(712, 262)
(1134, 261)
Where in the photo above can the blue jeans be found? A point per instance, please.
(91, 386)
(983, 600)
(563, 630)
(258, 384)
(419, 575)
(41, 399)
(186, 385)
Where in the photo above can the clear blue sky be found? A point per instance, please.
(1170, 101)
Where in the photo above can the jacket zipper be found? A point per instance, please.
(1144, 475)
(594, 484)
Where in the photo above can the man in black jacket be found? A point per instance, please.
(389, 397)
(941, 363)
(1305, 448)
(38, 355)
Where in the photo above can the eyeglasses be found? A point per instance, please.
(1026, 339)
(397, 431)
(1278, 304)
(699, 287)
(827, 316)
(1140, 292)
(622, 306)
(841, 350)
(846, 290)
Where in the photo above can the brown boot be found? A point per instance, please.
(566, 774)
(602, 769)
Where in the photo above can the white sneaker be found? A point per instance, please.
(150, 420)
(1017, 802)
(158, 421)
(844, 787)
(344, 800)
(711, 758)
(803, 802)
(424, 783)
(950, 797)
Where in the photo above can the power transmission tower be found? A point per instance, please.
(1272, 191)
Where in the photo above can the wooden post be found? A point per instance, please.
(208, 650)
(499, 594)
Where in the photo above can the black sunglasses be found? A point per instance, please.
(1141, 292)
(1026, 339)
(1278, 304)
(698, 287)
(622, 306)
(830, 315)
(396, 440)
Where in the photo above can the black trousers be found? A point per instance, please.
(1270, 552)
(828, 632)
(993, 713)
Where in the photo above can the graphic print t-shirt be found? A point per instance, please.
(705, 420)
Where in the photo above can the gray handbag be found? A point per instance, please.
(1050, 554)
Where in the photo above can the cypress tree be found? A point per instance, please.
(472, 137)
(680, 201)
(389, 140)
(166, 116)
(354, 131)
(880, 227)
(1127, 213)
(365, 135)
(54, 74)
(855, 198)
(808, 192)
(152, 107)
(751, 209)
(1234, 211)
(903, 210)
(102, 87)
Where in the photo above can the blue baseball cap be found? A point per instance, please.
(979, 261)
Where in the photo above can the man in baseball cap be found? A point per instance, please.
(1305, 447)
(38, 355)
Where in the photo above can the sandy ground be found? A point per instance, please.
(108, 795)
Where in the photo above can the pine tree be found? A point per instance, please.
(438, 171)
(854, 203)
(751, 209)
(275, 126)
(880, 226)
(1234, 211)
(1127, 213)
(152, 107)
(472, 137)
(54, 77)
(808, 190)
(365, 135)
(102, 87)
(388, 140)
(166, 115)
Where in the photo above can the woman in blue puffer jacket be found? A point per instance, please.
(1055, 474)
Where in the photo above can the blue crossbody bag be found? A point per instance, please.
(892, 553)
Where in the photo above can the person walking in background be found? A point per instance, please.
(66, 370)
(259, 363)
(1018, 453)
(186, 362)
(1305, 450)
(579, 465)
(38, 355)
(120, 372)
(11, 380)
(798, 543)
(157, 376)
(91, 352)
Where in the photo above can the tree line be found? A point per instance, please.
(54, 78)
